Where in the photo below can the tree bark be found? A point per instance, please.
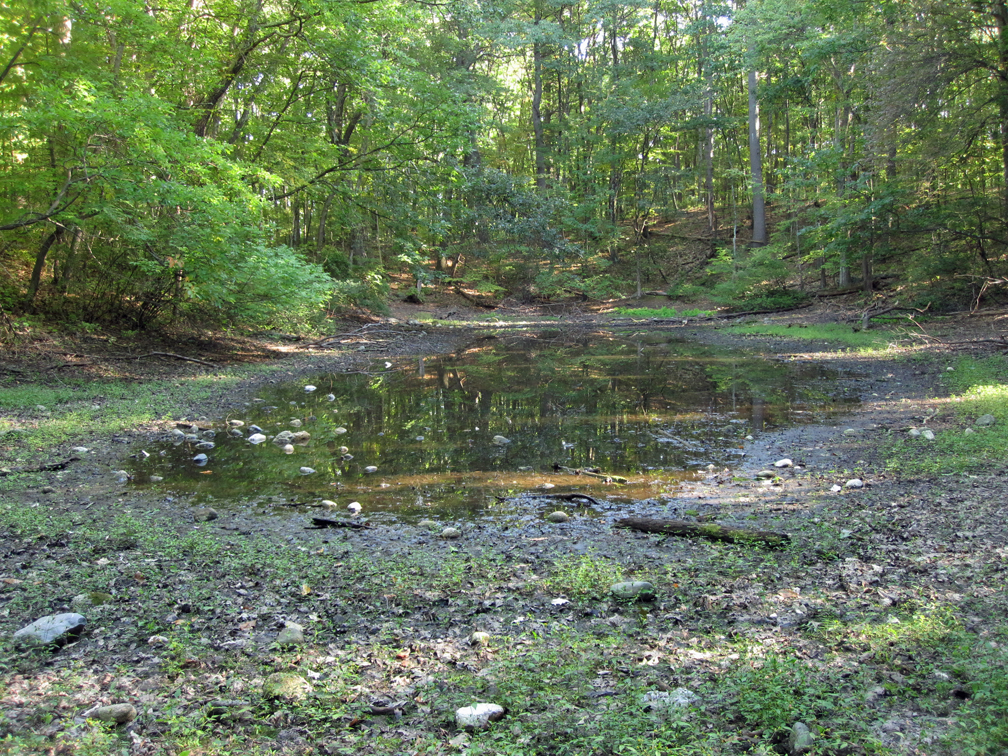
(710, 531)
(537, 126)
(40, 258)
(759, 234)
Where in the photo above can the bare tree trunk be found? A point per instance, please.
(759, 235)
(40, 259)
(537, 126)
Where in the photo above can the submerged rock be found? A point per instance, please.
(307, 470)
(309, 388)
(354, 507)
(370, 469)
(766, 475)
(200, 459)
(236, 423)
(558, 516)
(53, 630)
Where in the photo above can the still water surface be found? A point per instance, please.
(649, 408)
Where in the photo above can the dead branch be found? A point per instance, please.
(326, 522)
(710, 531)
(590, 472)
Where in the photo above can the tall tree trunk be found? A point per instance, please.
(40, 259)
(759, 235)
(1000, 12)
(537, 126)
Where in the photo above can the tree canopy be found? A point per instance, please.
(251, 161)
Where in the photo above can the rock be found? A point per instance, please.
(236, 433)
(301, 437)
(874, 695)
(84, 601)
(176, 434)
(330, 397)
(329, 503)
(428, 525)
(750, 438)
(157, 641)
(306, 470)
(80, 450)
(547, 486)
(478, 716)
(53, 630)
(914, 433)
(984, 420)
(209, 434)
(501, 440)
(340, 431)
(118, 713)
(479, 638)
(354, 507)
(852, 432)
(451, 533)
(344, 449)
(766, 475)
(663, 701)
(236, 423)
(155, 479)
(370, 469)
(122, 476)
(799, 740)
(854, 483)
(309, 388)
(256, 438)
(835, 488)
(204, 514)
(419, 438)
(206, 445)
(200, 459)
(633, 590)
(969, 432)
(283, 437)
(286, 686)
(292, 634)
(783, 463)
(288, 448)
(295, 423)
(255, 429)
(558, 516)
(928, 434)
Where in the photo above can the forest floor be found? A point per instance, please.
(880, 626)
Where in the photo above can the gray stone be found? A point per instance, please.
(286, 686)
(340, 431)
(288, 448)
(283, 437)
(291, 635)
(204, 514)
(558, 516)
(53, 630)
(984, 420)
(664, 702)
(479, 638)
(800, 739)
(854, 483)
(236, 423)
(301, 437)
(451, 533)
(478, 716)
(354, 507)
(783, 463)
(235, 433)
(370, 469)
(118, 713)
(200, 459)
(307, 470)
(633, 590)
(501, 440)
(428, 525)
(766, 475)
(256, 438)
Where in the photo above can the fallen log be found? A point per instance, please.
(326, 522)
(591, 473)
(569, 497)
(42, 467)
(711, 531)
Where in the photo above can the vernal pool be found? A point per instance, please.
(456, 435)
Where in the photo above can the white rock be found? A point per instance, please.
(547, 486)
(749, 438)
(236, 423)
(914, 433)
(200, 459)
(949, 369)
(663, 701)
(330, 397)
(836, 489)
(80, 449)
(307, 470)
(419, 438)
(370, 469)
(288, 448)
(479, 638)
(354, 507)
(783, 463)
(501, 440)
(340, 431)
(928, 434)
(309, 388)
(451, 533)
(329, 503)
(854, 483)
(155, 478)
(256, 438)
(478, 716)
(295, 423)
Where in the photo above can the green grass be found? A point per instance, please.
(862, 341)
(662, 312)
(981, 388)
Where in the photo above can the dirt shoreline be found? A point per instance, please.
(862, 552)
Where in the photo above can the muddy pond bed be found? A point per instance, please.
(457, 436)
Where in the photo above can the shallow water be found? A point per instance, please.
(651, 408)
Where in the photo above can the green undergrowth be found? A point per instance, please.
(860, 341)
(979, 387)
(663, 312)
